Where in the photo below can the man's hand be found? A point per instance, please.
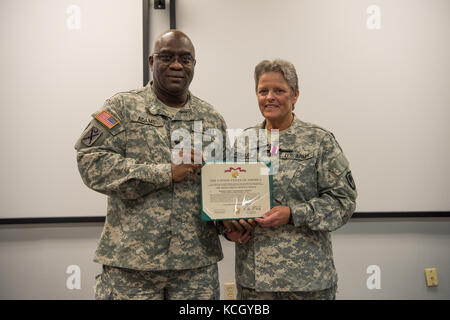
(237, 236)
(239, 225)
(180, 171)
(275, 217)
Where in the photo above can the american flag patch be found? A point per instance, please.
(107, 119)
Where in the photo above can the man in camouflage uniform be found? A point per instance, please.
(289, 254)
(154, 244)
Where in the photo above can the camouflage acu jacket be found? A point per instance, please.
(315, 182)
(125, 153)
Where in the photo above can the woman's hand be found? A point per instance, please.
(182, 170)
(275, 217)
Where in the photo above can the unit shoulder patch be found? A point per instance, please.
(91, 136)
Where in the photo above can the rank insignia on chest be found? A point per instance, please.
(107, 119)
(91, 136)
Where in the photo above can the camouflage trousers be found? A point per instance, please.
(251, 294)
(125, 284)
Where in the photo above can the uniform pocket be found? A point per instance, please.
(147, 142)
(338, 165)
(301, 183)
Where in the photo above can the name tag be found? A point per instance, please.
(295, 155)
(156, 122)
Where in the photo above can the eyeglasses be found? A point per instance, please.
(168, 58)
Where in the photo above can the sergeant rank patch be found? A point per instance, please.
(107, 119)
(91, 136)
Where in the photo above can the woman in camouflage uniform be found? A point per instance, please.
(288, 253)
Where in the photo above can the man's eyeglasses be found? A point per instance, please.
(185, 59)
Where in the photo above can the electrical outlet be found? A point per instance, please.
(431, 277)
(230, 291)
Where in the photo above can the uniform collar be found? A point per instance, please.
(156, 107)
(292, 129)
(289, 134)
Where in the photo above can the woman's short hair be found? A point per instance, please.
(284, 67)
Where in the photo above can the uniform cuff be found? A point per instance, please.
(299, 213)
(160, 175)
(220, 227)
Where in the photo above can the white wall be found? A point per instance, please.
(59, 65)
(382, 92)
(34, 259)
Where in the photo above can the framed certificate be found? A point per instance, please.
(237, 190)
